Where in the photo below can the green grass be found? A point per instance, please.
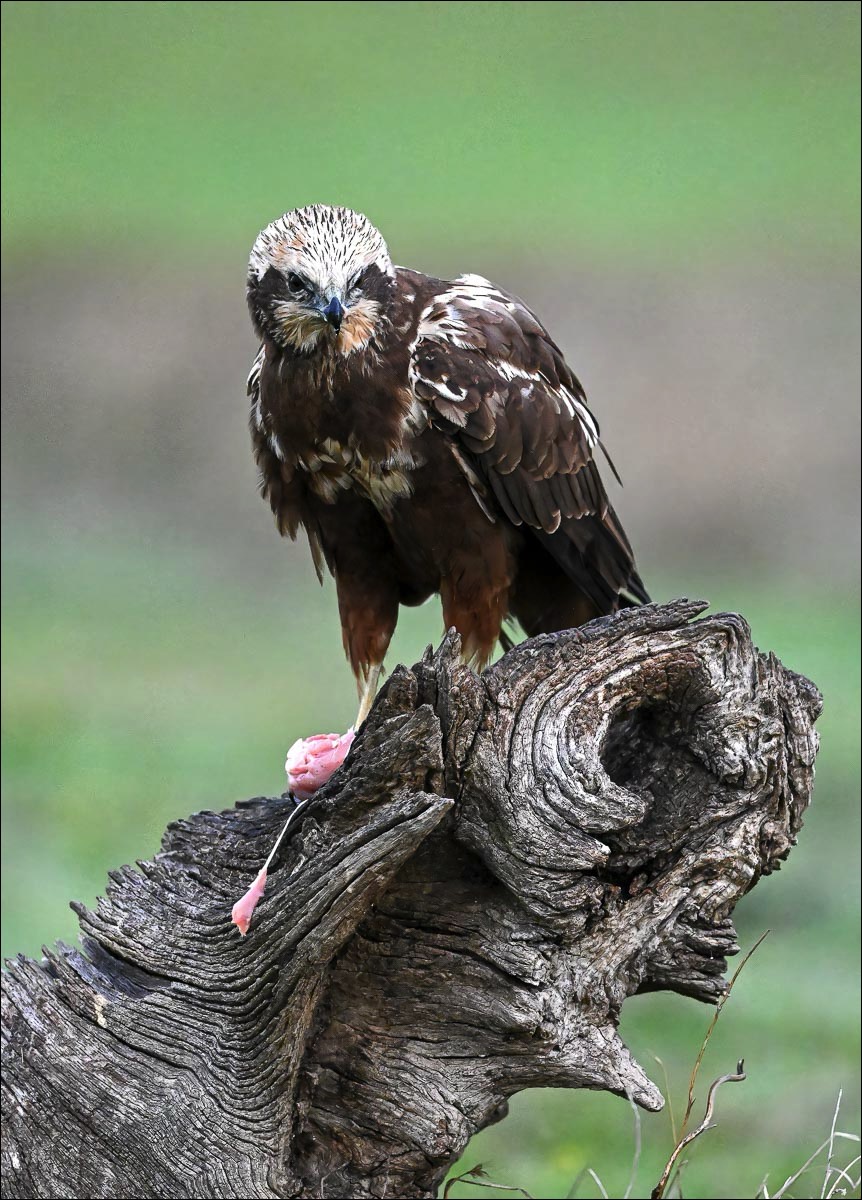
(142, 682)
(638, 131)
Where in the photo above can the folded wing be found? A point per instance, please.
(494, 380)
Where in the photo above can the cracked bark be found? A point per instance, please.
(459, 914)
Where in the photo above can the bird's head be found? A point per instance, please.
(319, 280)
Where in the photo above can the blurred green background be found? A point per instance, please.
(675, 188)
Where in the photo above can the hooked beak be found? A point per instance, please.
(334, 313)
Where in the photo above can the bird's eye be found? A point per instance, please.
(356, 284)
(296, 285)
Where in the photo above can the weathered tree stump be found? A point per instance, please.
(458, 915)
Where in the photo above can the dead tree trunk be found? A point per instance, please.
(458, 915)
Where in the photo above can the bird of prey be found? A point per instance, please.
(429, 437)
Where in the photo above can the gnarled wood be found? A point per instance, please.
(458, 915)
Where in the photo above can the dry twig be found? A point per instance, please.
(737, 1077)
(782, 1191)
(478, 1177)
(719, 1008)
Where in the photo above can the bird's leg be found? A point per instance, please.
(367, 692)
(475, 605)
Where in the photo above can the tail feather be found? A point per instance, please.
(596, 555)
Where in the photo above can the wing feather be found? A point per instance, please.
(495, 381)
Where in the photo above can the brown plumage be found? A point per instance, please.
(430, 438)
